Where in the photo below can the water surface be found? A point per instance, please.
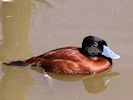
(32, 27)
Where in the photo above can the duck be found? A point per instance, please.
(94, 56)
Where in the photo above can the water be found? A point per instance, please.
(32, 27)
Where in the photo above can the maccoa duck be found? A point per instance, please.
(93, 57)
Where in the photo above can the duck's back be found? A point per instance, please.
(66, 53)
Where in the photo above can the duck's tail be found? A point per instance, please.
(34, 61)
(16, 63)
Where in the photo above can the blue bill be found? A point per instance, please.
(109, 53)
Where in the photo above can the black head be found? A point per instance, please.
(92, 46)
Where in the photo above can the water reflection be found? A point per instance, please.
(99, 83)
(15, 83)
(92, 83)
(7, 0)
(15, 20)
(15, 23)
(15, 26)
(48, 4)
(1, 72)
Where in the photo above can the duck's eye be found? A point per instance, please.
(95, 44)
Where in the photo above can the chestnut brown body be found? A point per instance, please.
(70, 60)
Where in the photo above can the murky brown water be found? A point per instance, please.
(32, 27)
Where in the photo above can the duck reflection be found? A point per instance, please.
(99, 83)
(92, 83)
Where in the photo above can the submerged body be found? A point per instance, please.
(70, 60)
